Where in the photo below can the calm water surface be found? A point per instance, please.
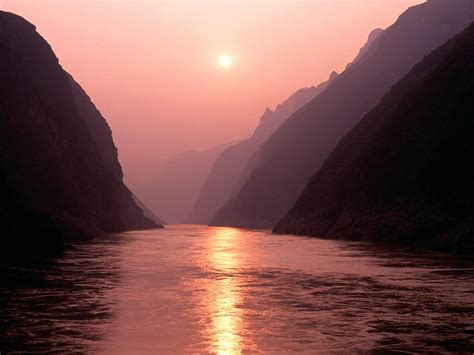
(193, 289)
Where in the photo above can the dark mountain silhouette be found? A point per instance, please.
(298, 148)
(230, 165)
(405, 172)
(177, 187)
(59, 173)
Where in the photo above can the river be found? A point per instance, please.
(196, 289)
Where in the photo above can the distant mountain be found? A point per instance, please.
(59, 173)
(230, 165)
(300, 145)
(405, 173)
(147, 212)
(177, 187)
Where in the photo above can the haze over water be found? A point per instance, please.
(224, 290)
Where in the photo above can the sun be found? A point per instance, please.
(225, 60)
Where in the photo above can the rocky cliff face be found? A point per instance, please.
(230, 167)
(300, 145)
(57, 157)
(404, 173)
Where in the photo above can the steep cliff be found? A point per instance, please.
(57, 157)
(404, 174)
(300, 145)
(131, 216)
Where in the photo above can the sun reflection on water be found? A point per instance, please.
(224, 293)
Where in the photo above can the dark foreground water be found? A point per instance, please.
(192, 289)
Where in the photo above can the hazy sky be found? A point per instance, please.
(152, 68)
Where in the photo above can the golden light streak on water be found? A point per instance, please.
(224, 293)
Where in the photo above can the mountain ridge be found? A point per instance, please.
(300, 145)
(404, 173)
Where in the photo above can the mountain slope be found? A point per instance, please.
(255, 157)
(298, 148)
(405, 172)
(365, 49)
(58, 164)
(229, 166)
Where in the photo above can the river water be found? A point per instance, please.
(196, 289)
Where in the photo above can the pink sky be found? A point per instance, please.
(151, 66)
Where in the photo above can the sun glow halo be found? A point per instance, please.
(225, 60)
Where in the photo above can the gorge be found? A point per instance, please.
(147, 207)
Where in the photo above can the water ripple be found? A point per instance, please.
(192, 289)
